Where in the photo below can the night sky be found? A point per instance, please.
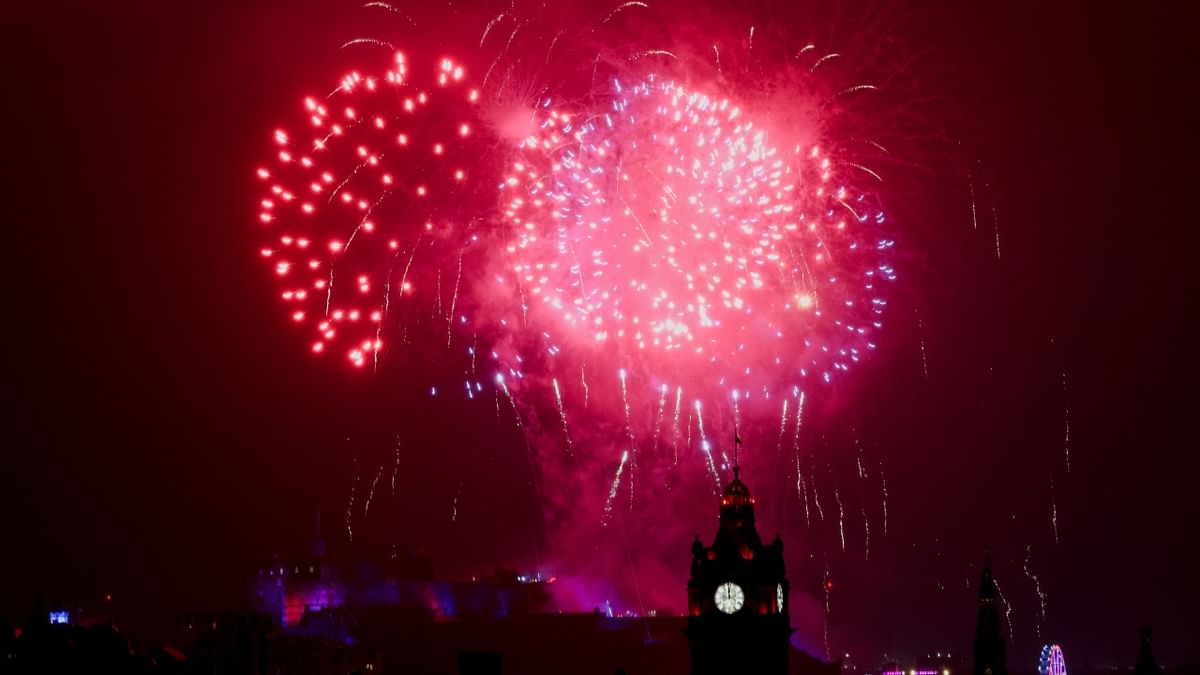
(167, 428)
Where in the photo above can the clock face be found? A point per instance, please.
(779, 597)
(730, 597)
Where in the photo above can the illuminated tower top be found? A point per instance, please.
(738, 595)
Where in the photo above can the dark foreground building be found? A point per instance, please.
(737, 596)
(989, 648)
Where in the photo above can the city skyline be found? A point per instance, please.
(1029, 395)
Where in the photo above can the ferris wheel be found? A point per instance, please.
(1051, 661)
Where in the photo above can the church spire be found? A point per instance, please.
(737, 446)
(989, 647)
(1146, 663)
(987, 585)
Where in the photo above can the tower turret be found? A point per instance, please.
(737, 595)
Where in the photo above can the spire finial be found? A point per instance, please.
(737, 446)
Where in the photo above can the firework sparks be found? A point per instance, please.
(562, 413)
(1053, 511)
(658, 420)
(371, 493)
(1007, 609)
(378, 147)
(883, 484)
(675, 422)
(866, 534)
(1037, 586)
(612, 490)
(1066, 425)
(841, 516)
(682, 235)
(658, 222)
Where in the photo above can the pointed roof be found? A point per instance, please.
(987, 585)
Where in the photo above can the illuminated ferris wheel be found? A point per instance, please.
(1051, 661)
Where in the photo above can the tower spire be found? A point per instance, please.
(1146, 664)
(989, 647)
(737, 446)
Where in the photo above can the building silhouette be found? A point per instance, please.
(737, 595)
(989, 646)
(1146, 664)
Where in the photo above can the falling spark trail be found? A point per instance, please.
(1053, 511)
(783, 416)
(687, 443)
(454, 299)
(454, 504)
(1037, 586)
(612, 491)
(584, 382)
(866, 534)
(624, 5)
(516, 413)
(841, 516)
(562, 414)
(350, 502)
(706, 448)
(389, 7)
(800, 487)
(865, 170)
(1007, 609)
(996, 227)
(628, 419)
(395, 465)
(632, 441)
(803, 489)
(855, 89)
(629, 432)
(971, 188)
(487, 29)
(1066, 424)
(828, 587)
(662, 404)
(652, 52)
(371, 494)
(883, 480)
(822, 60)
(921, 334)
(368, 41)
(718, 54)
(675, 424)
(437, 307)
(474, 351)
(817, 497)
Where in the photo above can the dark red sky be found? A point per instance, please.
(166, 429)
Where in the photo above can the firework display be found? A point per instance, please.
(377, 179)
(664, 221)
(633, 255)
(672, 223)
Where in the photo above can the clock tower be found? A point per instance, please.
(737, 596)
